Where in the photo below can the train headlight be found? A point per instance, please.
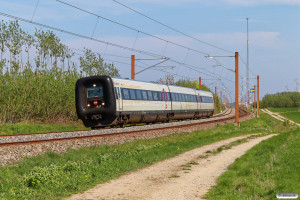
(88, 105)
(103, 104)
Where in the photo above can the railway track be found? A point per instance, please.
(9, 140)
(15, 148)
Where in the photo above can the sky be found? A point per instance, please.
(216, 28)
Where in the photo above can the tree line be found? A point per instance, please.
(38, 75)
(281, 100)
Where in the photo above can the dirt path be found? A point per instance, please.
(173, 178)
(279, 117)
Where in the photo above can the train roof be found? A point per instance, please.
(161, 84)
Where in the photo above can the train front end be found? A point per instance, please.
(95, 101)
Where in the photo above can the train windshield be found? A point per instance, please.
(94, 91)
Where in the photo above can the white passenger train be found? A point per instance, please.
(106, 101)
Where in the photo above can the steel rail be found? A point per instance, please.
(242, 114)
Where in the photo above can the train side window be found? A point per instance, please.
(125, 93)
(199, 99)
(139, 95)
(159, 96)
(150, 96)
(155, 97)
(132, 94)
(144, 94)
(168, 96)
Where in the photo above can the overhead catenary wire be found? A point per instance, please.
(131, 28)
(176, 30)
(195, 68)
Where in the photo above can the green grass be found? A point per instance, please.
(53, 176)
(295, 109)
(267, 169)
(294, 116)
(290, 113)
(11, 129)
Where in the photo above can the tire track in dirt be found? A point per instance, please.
(170, 179)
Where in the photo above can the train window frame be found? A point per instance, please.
(150, 96)
(169, 96)
(125, 96)
(144, 95)
(139, 95)
(154, 94)
(132, 94)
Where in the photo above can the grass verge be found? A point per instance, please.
(267, 169)
(53, 176)
(12, 129)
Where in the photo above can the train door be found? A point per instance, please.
(164, 100)
(119, 98)
(199, 102)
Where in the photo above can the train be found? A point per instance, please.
(103, 101)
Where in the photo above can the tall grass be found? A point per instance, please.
(43, 96)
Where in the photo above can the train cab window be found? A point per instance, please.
(155, 97)
(94, 91)
(132, 94)
(125, 93)
(144, 94)
(150, 95)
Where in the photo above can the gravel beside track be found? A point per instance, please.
(10, 154)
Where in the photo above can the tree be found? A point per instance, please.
(168, 80)
(3, 38)
(92, 64)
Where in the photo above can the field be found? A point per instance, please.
(53, 176)
(290, 113)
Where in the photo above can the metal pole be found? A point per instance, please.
(247, 72)
(215, 100)
(237, 88)
(254, 104)
(221, 101)
(257, 96)
(132, 67)
(248, 99)
(199, 83)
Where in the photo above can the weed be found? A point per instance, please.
(193, 163)
(174, 176)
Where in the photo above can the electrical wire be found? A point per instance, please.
(131, 28)
(176, 30)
